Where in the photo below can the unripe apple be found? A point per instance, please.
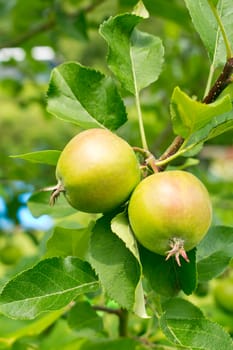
(223, 293)
(170, 212)
(10, 254)
(97, 171)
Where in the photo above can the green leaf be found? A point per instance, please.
(14, 330)
(224, 8)
(189, 115)
(69, 241)
(116, 266)
(214, 252)
(134, 57)
(189, 162)
(216, 127)
(140, 10)
(185, 325)
(49, 285)
(83, 317)
(204, 23)
(38, 204)
(159, 273)
(208, 29)
(120, 226)
(166, 277)
(49, 157)
(187, 273)
(219, 125)
(85, 97)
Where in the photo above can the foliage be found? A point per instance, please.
(87, 278)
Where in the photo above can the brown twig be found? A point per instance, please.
(122, 315)
(106, 309)
(149, 158)
(123, 323)
(221, 83)
(173, 148)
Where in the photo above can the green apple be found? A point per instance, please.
(97, 171)
(223, 293)
(10, 254)
(170, 212)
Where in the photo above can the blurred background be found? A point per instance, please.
(35, 37)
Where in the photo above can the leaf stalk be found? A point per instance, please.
(139, 111)
(140, 121)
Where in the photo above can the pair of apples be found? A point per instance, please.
(98, 172)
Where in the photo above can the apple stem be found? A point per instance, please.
(149, 158)
(56, 190)
(177, 250)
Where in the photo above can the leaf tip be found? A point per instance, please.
(140, 10)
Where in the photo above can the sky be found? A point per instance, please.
(27, 221)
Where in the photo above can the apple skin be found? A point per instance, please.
(97, 170)
(170, 205)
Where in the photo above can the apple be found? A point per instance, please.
(170, 212)
(97, 171)
(223, 293)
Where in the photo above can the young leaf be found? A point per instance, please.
(85, 97)
(120, 226)
(189, 115)
(214, 252)
(116, 266)
(185, 325)
(50, 285)
(216, 127)
(49, 157)
(134, 57)
(166, 277)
